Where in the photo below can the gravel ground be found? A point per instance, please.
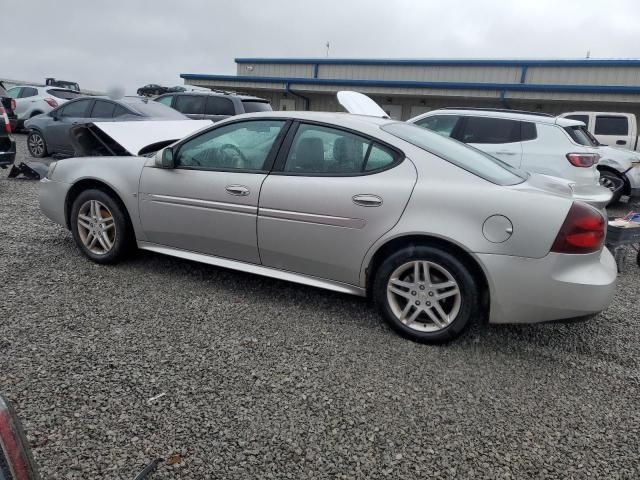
(266, 379)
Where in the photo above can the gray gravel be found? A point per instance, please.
(266, 379)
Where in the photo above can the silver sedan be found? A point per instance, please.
(438, 234)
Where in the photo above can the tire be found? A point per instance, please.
(454, 311)
(36, 144)
(103, 214)
(613, 182)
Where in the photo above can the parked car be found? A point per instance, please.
(615, 129)
(437, 233)
(537, 143)
(32, 100)
(7, 143)
(49, 133)
(152, 89)
(213, 106)
(9, 105)
(52, 82)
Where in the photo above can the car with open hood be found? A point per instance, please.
(438, 234)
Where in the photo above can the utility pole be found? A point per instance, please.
(328, 46)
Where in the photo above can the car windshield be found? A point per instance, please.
(155, 109)
(468, 158)
(581, 136)
(251, 106)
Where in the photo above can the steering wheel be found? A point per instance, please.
(232, 157)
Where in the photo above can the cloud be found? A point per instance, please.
(131, 43)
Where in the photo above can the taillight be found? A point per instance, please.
(583, 231)
(584, 160)
(5, 119)
(52, 103)
(15, 457)
(13, 105)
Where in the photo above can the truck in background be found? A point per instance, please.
(614, 129)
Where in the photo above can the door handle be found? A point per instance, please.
(621, 142)
(238, 190)
(367, 200)
(506, 152)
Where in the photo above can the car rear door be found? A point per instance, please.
(57, 133)
(332, 194)
(208, 203)
(613, 130)
(190, 105)
(499, 137)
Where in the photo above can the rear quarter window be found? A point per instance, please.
(579, 134)
(251, 106)
(190, 104)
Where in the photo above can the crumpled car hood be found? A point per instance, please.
(132, 138)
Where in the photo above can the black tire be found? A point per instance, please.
(469, 299)
(123, 236)
(610, 180)
(36, 144)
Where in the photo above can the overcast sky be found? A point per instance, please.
(130, 43)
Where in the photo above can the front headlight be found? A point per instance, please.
(52, 167)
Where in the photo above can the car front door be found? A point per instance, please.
(62, 119)
(208, 203)
(613, 130)
(499, 137)
(331, 195)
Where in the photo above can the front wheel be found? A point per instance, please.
(100, 226)
(36, 144)
(613, 182)
(426, 294)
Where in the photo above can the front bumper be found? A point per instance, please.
(7, 151)
(556, 287)
(52, 196)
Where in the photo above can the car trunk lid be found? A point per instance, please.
(594, 195)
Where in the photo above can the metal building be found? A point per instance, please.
(405, 88)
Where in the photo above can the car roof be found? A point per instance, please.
(45, 87)
(525, 117)
(336, 118)
(215, 94)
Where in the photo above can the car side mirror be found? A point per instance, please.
(164, 158)
(54, 116)
(15, 453)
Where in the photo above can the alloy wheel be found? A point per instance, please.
(96, 227)
(610, 183)
(36, 144)
(424, 296)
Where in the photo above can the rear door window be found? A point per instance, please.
(490, 130)
(76, 109)
(165, 100)
(441, 124)
(611, 125)
(28, 92)
(219, 106)
(190, 104)
(102, 109)
(580, 135)
(528, 131)
(580, 118)
(251, 106)
(120, 111)
(64, 94)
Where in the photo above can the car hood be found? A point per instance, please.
(130, 138)
(359, 104)
(594, 195)
(624, 157)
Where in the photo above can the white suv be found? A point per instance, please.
(32, 100)
(536, 143)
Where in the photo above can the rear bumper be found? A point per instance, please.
(7, 151)
(556, 287)
(52, 196)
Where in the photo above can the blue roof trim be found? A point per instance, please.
(448, 62)
(514, 87)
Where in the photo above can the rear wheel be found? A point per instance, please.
(426, 294)
(36, 144)
(613, 182)
(100, 226)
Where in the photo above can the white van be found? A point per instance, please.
(610, 128)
